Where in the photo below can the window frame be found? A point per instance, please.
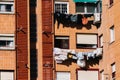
(10, 37)
(67, 38)
(101, 40)
(112, 34)
(8, 3)
(96, 45)
(113, 67)
(58, 2)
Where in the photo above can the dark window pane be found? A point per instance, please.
(111, 2)
(8, 7)
(2, 43)
(62, 43)
(80, 7)
(113, 75)
(57, 7)
(90, 8)
(64, 8)
(86, 46)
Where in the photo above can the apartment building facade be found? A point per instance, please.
(25, 49)
(40, 39)
(76, 43)
(27, 44)
(109, 35)
(14, 40)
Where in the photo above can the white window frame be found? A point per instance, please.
(56, 2)
(112, 34)
(6, 3)
(8, 37)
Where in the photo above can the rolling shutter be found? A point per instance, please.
(87, 75)
(86, 39)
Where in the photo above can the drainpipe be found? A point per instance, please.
(15, 7)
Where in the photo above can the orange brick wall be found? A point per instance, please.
(7, 23)
(111, 53)
(7, 60)
(7, 26)
(7, 57)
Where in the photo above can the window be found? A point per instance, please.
(86, 40)
(111, 2)
(7, 41)
(59, 76)
(101, 40)
(88, 8)
(62, 7)
(6, 6)
(113, 71)
(112, 34)
(87, 75)
(62, 42)
(6, 75)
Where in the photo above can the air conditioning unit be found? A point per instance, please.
(97, 17)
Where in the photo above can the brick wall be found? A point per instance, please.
(47, 39)
(21, 40)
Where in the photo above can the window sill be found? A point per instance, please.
(7, 49)
(101, 46)
(85, 48)
(7, 13)
(84, 13)
(111, 42)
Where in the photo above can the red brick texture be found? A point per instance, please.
(21, 40)
(47, 39)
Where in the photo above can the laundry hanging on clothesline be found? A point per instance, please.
(70, 19)
(61, 55)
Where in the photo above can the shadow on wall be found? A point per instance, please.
(69, 20)
(33, 40)
(89, 63)
(93, 61)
